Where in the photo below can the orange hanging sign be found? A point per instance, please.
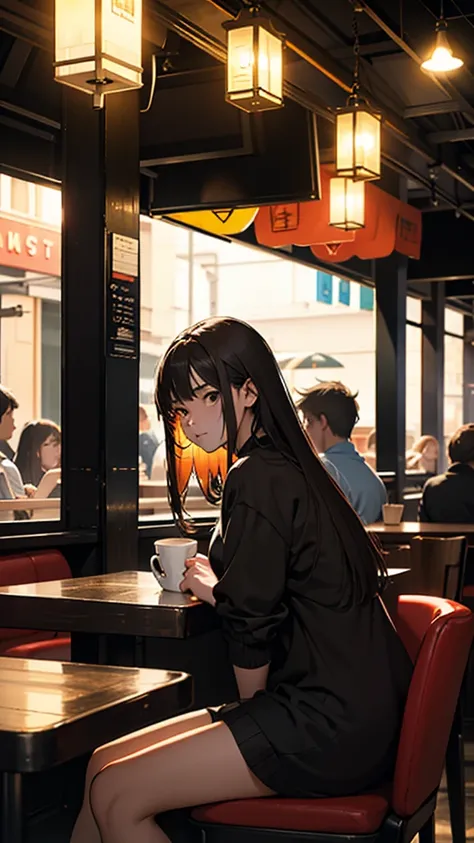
(300, 223)
(391, 225)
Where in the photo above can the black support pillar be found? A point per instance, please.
(390, 288)
(432, 366)
(468, 402)
(101, 330)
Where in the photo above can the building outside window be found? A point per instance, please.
(30, 334)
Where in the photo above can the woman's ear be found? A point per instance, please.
(249, 393)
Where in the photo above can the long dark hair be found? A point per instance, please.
(225, 352)
(32, 437)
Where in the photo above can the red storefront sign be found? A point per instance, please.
(30, 247)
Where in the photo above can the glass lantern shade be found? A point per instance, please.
(254, 63)
(358, 143)
(98, 45)
(346, 204)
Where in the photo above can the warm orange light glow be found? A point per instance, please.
(347, 204)
(254, 63)
(442, 59)
(358, 142)
(98, 45)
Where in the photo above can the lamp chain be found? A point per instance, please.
(355, 31)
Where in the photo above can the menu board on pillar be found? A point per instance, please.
(122, 307)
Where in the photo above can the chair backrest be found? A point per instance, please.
(437, 634)
(37, 566)
(438, 566)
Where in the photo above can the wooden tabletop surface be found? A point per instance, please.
(408, 529)
(126, 603)
(52, 711)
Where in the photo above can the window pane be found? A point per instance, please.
(453, 384)
(414, 310)
(413, 385)
(20, 196)
(453, 322)
(318, 328)
(30, 360)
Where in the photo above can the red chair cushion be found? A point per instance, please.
(344, 815)
(57, 649)
(18, 636)
(20, 569)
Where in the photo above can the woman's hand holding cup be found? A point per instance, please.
(199, 578)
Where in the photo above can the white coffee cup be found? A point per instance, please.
(392, 513)
(168, 563)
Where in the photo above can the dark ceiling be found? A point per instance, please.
(428, 134)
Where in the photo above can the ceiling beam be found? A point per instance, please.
(431, 108)
(452, 136)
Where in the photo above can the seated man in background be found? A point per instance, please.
(330, 412)
(449, 498)
(12, 485)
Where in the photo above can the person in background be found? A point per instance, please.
(423, 455)
(449, 497)
(39, 450)
(13, 485)
(330, 412)
(147, 441)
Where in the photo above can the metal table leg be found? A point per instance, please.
(11, 809)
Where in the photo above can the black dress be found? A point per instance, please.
(329, 720)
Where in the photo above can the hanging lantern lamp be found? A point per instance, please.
(442, 59)
(254, 62)
(346, 204)
(98, 46)
(358, 130)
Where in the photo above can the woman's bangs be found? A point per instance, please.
(182, 364)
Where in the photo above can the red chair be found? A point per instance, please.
(437, 634)
(38, 566)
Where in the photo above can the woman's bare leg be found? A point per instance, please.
(202, 766)
(85, 828)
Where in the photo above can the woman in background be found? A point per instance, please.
(39, 450)
(423, 455)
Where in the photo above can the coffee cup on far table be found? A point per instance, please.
(392, 513)
(168, 563)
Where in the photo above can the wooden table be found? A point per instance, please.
(128, 603)
(126, 619)
(51, 712)
(406, 530)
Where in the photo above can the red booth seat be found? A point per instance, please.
(19, 569)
